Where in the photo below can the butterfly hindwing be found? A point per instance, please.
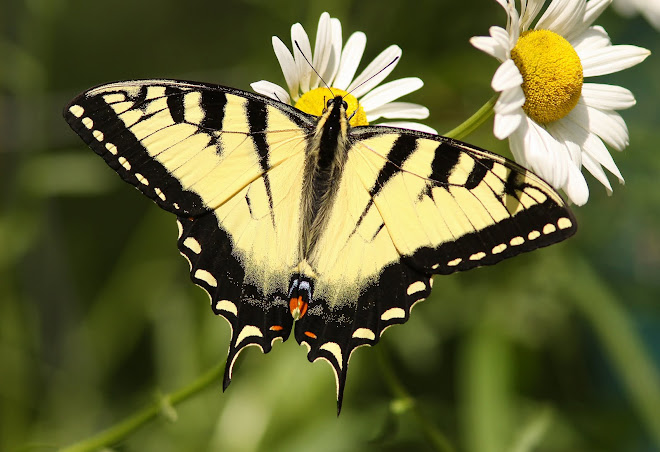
(255, 318)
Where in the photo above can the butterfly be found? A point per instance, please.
(296, 222)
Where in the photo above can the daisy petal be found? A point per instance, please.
(490, 46)
(335, 52)
(610, 126)
(593, 38)
(510, 101)
(572, 136)
(589, 143)
(506, 76)
(502, 37)
(271, 90)
(322, 48)
(496, 45)
(574, 151)
(597, 171)
(607, 97)
(350, 59)
(405, 110)
(594, 9)
(288, 64)
(595, 148)
(390, 91)
(562, 16)
(546, 156)
(528, 12)
(410, 125)
(376, 72)
(505, 124)
(517, 143)
(512, 22)
(612, 59)
(576, 186)
(300, 39)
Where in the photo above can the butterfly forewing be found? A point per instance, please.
(450, 206)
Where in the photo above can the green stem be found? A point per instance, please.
(473, 122)
(436, 438)
(164, 404)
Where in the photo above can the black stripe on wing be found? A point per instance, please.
(257, 116)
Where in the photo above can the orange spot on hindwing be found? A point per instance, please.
(298, 307)
(300, 294)
(310, 334)
(276, 328)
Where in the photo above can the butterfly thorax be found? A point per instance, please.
(324, 163)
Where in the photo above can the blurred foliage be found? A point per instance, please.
(557, 350)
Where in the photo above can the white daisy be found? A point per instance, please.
(337, 67)
(556, 123)
(650, 9)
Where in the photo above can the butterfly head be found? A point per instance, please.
(337, 107)
(337, 101)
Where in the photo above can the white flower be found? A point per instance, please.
(556, 123)
(337, 67)
(650, 9)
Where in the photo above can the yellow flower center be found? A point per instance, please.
(551, 72)
(314, 101)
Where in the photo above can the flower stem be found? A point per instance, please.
(164, 405)
(436, 438)
(473, 122)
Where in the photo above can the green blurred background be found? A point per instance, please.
(557, 350)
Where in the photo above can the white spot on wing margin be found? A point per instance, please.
(76, 110)
(226, 305)
(364, 333)
(248, 331)
(393, 313)
(204, 275)
(415, 287)
(180, 227)
(335, 349)
(193, 245)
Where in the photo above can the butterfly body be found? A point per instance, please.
(286, 216)
(325, 159)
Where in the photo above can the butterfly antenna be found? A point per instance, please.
(313, 68)
(379, 72)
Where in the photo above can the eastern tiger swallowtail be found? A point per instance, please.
(286, 216)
